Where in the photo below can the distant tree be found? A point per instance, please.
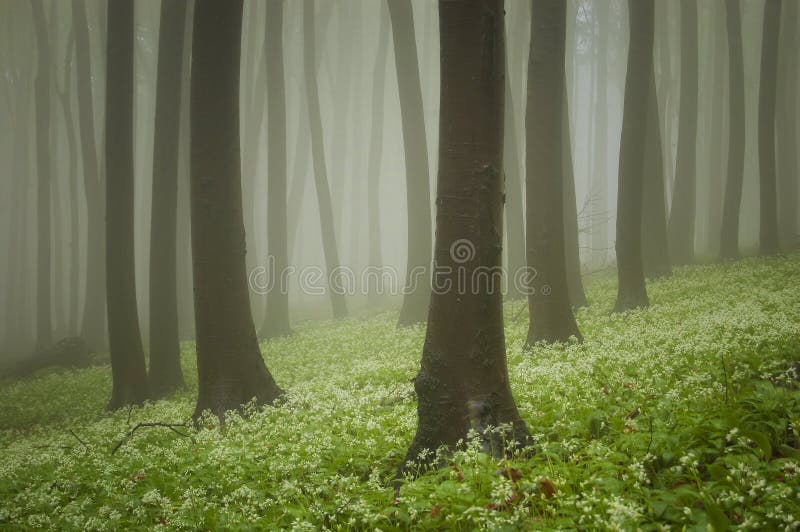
(599, 168)
(320, 170)
(276, 315)
(463, 380)
(682, 214)
(93, 321)
(577, 296)
(632, 292)
(125, 342)
(768, 233)
(551, 317)
(417, 289)
(231, 371)
(729, 236)
(165, 352)
(655, 244)
(515, 214)
(44, 306)
(786, 117)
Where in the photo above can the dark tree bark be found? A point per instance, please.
(551, 318)
(320, 170)
(231, 371)
(632, 292)
(786, 117)
(729, 235)
(768, 231)
(577, 296)
(125, 342)
(375, 287)
(683, 212)
(515, 215)
(276, 315)
(44, 308)
(165, 352)
(93, 322)
(655, 244)
(463, 379)
(417, 288)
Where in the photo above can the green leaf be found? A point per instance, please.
(716, 516)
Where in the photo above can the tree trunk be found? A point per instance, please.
(125, 342)
(787, 128)
(463, 380)
(335, 281)
(729, 234)
(276, 315)
(417, 288)
(716, 147)
(230, 369)
(632, 292)
(655, 244)
(515, 215)
(768, 232)
(44, 308)
(93, 322)
(375, 286)
(165, 351)
(599, 178)
(577, 297)
(551, 318)
(682, 214)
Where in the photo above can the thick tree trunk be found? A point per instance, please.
(276, 315)
(683, 212)
(515, 215)
(463, 380)
(165, 352)
(125, 342)
(729, 234)
(655, 244)
(231, 371)
(44, 308)
(375, 286)
(93, 322)
(632, 292)
(551, 318)
(577, 296)
(768, 231)
(417, 287)
(335, 281)
(786, 117)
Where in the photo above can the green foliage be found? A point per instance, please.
(679, 416)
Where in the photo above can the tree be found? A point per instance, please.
(682, 214)
(551, 317)
(93, 321)
(165, 352)
(768, 232)
(786, 118)
(320, 169)
(632, 292)
(599, 177)
(276, 315)
(577, 296)
(44, 322)
(230, 368)
(729, 235)
(463, 380)
(125, 342)
(655, 243)
(417, 289)
(515, 215)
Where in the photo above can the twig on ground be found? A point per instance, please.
(171, 426)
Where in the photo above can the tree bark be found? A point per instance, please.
(335, 286)
(417, 288)
(599, 178)
(276, 315)
(632, 292)
(463, 383)
(787, 128)
(551, 318)
(515, 214)
(768, 229)
(577, 296)
(125, 342)
(230, 369)
(682, 215)
(165, 352)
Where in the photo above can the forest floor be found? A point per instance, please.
(684, 414)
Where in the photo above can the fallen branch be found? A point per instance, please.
(171, 426)
(79, 440)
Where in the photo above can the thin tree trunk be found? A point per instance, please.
(577, 296)
(515, 215)
(599, 178)
(125, 342)
(717, 152)
(463, 383)
(787, 127)
(417, 288)
(551, 318)
(768, 232)
(632, 292)
(230, 369)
